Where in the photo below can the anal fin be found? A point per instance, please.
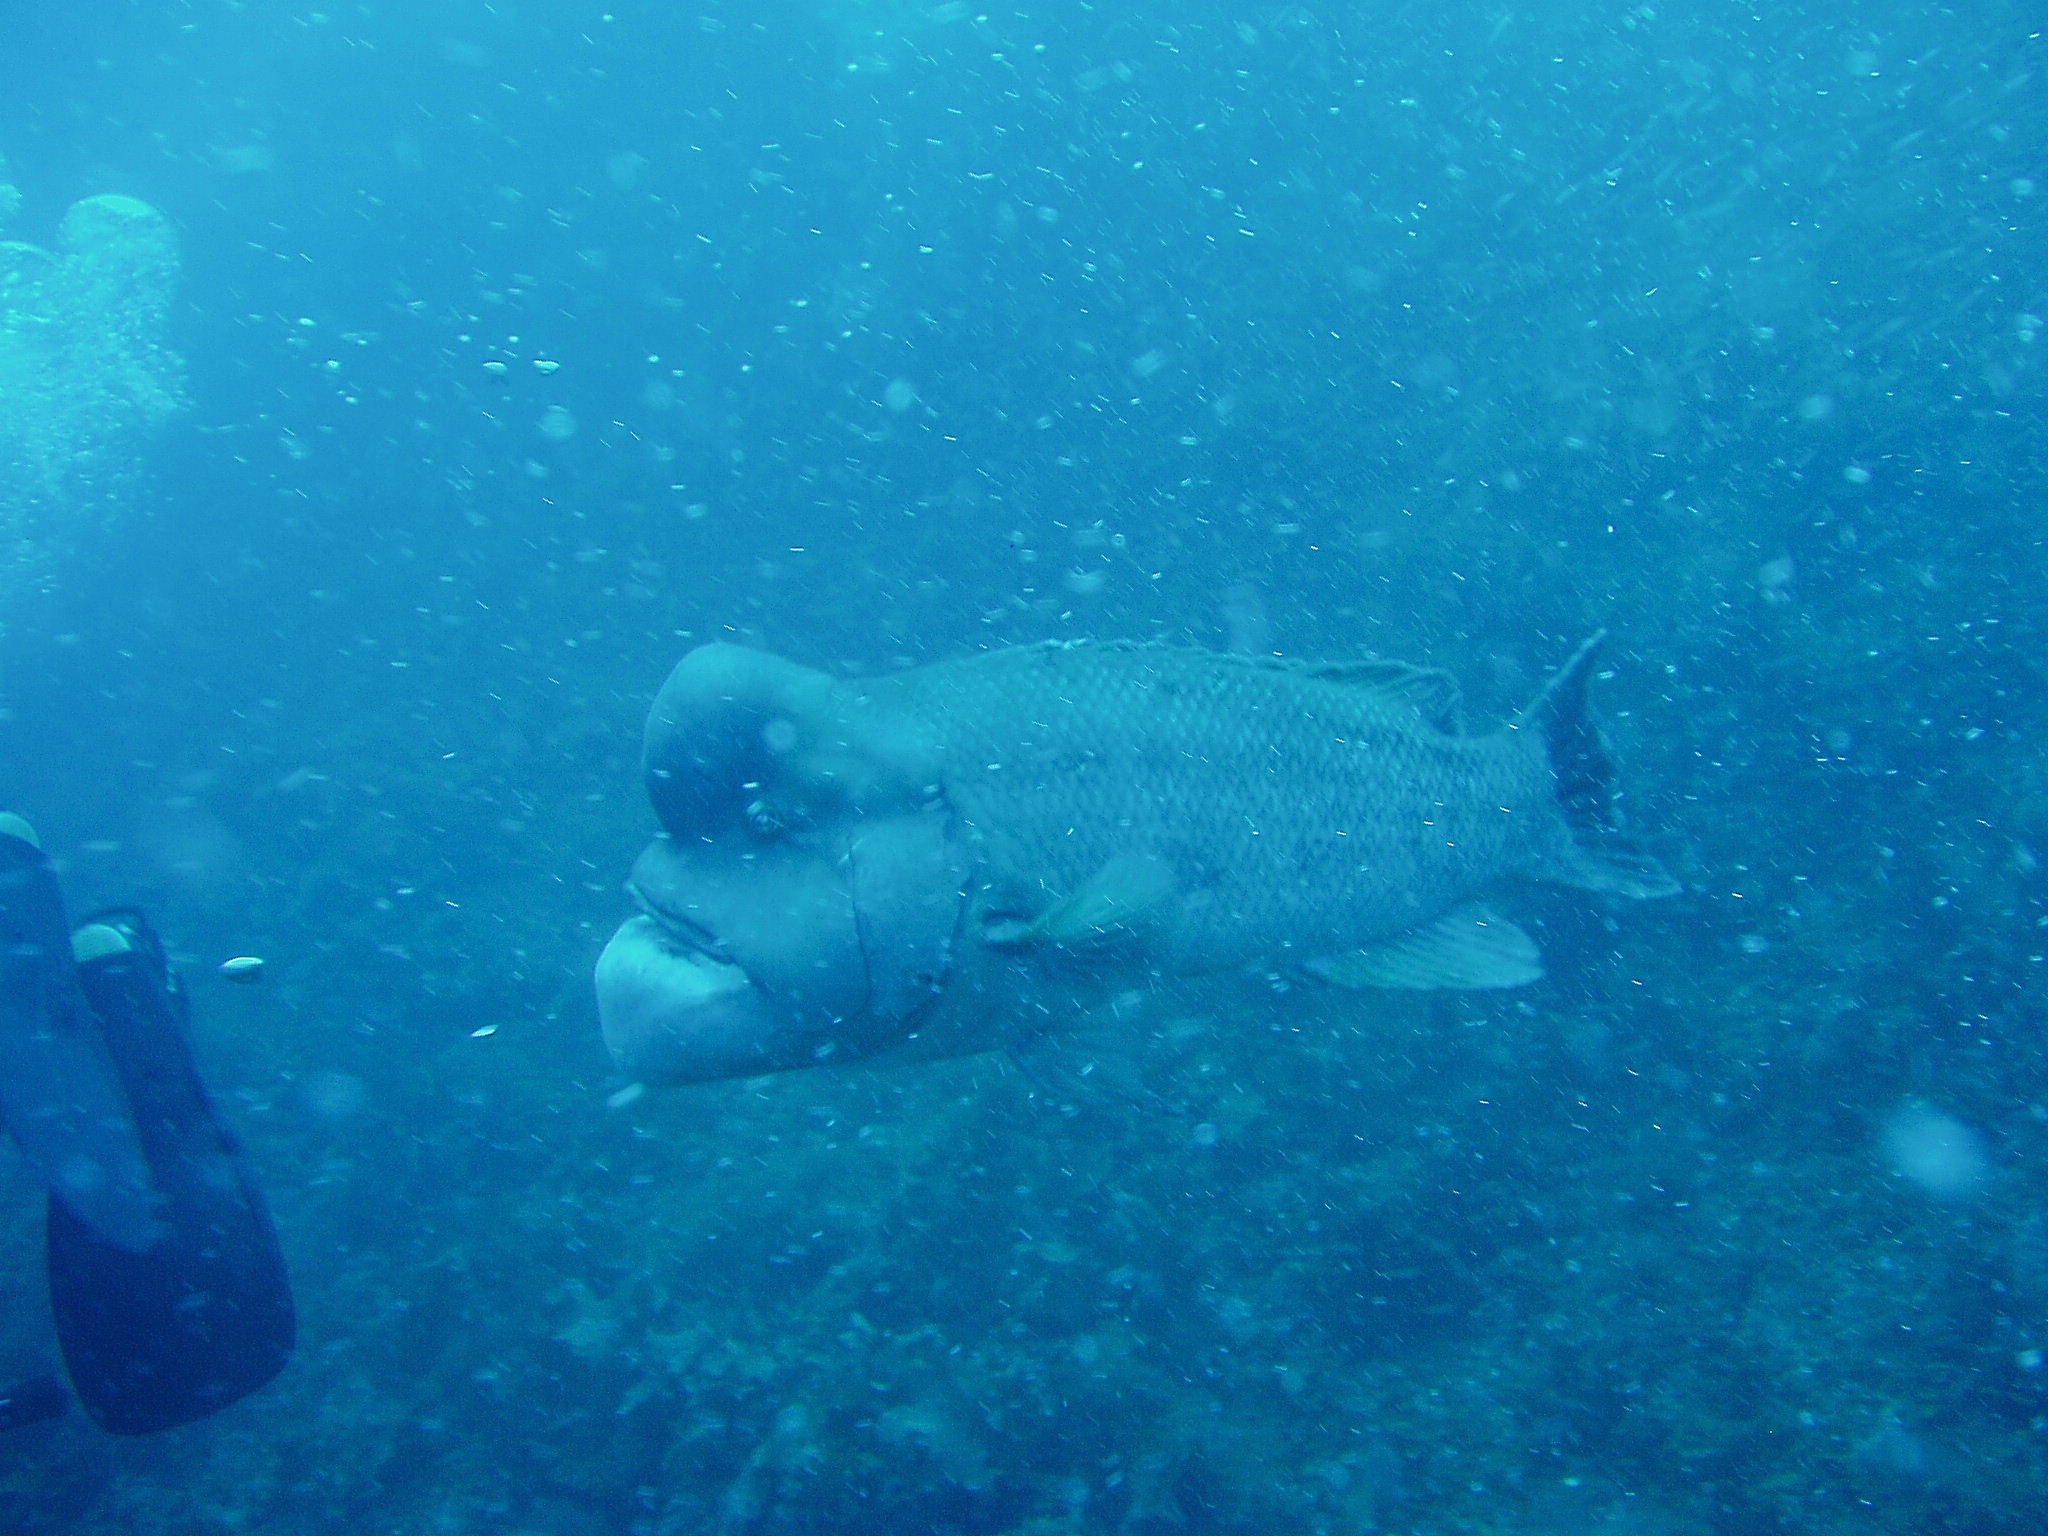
(1467, 949)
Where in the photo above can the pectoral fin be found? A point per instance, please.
(1118, 900)
(1467, 949)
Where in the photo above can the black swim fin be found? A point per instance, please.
(163, 1335)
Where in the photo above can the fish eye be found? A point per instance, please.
(763, 818)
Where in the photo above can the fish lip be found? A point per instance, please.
(688, 936)
(670, 1013)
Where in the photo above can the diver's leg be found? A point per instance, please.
(204, 1316)
(58, 1093)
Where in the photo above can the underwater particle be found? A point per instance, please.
(1086, 583)
(1936, 1151)
(632, 1093)
(1816, 408)
(1773, 575)
(625, 169)
(332, 1095)
(244, 159)
(1856, 474)
(546, 365)
(245, 969)
(1895, 1453)
(1149, 363)
(1245, 619)
(900, 396)
(483, 1032)
(557, 424)
(496, 367)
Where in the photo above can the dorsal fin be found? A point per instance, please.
(1432, 694)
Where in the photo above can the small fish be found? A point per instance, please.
(245, 969)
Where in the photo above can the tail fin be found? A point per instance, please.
(1600, 857)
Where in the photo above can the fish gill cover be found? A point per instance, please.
(532, 344)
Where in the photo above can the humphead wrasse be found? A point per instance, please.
(980, 853)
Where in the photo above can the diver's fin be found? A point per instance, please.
(1467, 949)
(203, 1316)
(1430, 693)
(1115, 902)
(1601, 857)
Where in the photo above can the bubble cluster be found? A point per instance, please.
(85, 371)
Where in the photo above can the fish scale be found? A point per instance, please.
(1299, 811)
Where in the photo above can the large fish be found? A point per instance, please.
(987, 852)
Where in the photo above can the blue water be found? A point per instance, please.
(528, 344)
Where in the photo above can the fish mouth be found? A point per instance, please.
(765, 957)
(673, 1010)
